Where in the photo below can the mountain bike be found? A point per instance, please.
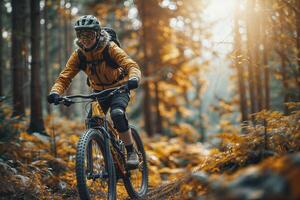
(101, 156)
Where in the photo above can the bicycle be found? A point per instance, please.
(101, 156)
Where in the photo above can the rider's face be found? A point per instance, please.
(87, 38)
(87, 43)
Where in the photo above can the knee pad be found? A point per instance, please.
(119, 118)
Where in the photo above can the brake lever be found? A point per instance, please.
(125, 89)
(67, 102)
(117, 91)
(111, 93)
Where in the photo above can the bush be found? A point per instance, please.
(9, 126)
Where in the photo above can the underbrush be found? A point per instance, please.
(39, 167)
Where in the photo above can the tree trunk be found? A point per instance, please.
(156, 58)
(36, 119)
(154, 61)
(256, 60)
(265, 56)
(18, 26)
(60, 38)
(70, 112)
(251, 81)
(201, 124)
(60, 43)
(240, 68)
(283, 63)
(46, 53)
(298, 44)
(66, 110)
(1, 45)
(159, 128)
(147, 96)
(25, 54)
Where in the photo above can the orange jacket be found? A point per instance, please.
(105, 75)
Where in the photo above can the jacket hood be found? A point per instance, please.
(102, 40)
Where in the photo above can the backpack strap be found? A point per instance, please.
(83, 64)
(108, 59)
(82, 60)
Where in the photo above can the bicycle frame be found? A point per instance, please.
(110, 138)
(113, 151)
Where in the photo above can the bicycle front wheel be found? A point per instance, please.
(95, 172)
(136, 182)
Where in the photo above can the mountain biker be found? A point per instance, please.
(91, 41)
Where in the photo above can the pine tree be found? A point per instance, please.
(36, 118)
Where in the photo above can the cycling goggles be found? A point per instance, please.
(86, 34)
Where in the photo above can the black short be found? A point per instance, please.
(117, 101)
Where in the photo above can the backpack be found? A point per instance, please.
(106, 57)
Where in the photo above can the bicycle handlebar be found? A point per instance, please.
(67, 100)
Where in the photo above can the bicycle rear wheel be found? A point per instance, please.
(95, 172)
(136, 182)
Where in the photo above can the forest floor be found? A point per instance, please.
(239, 167)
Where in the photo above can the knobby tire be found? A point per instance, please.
(132, 192)
(82, 150)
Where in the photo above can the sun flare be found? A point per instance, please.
(219, 9)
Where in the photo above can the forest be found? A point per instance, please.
(217, 107)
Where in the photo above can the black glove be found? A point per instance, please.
(132, 83)
(53, 98)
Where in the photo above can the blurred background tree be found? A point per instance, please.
(194, 74)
